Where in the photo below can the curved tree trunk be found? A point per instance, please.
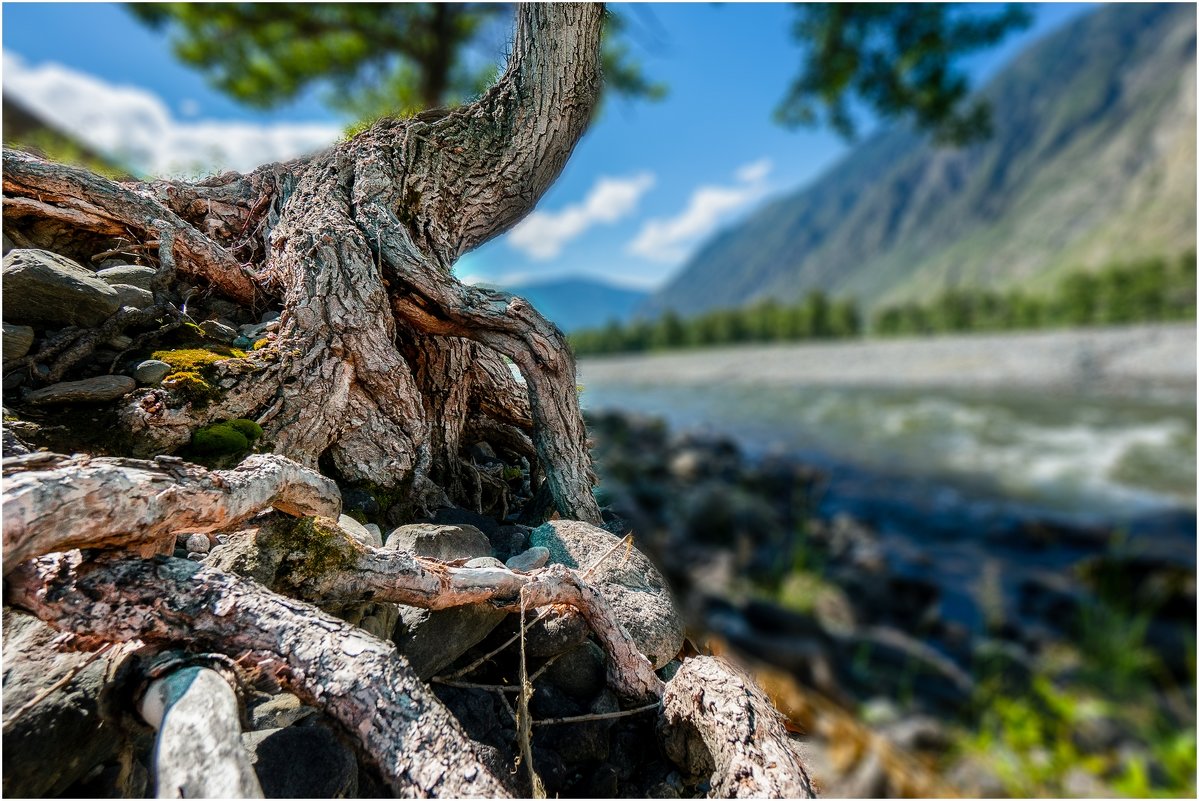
(382, 359)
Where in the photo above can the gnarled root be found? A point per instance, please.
(716, 720)
(55, 503)
(360, 681)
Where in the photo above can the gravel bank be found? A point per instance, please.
(1129, 361)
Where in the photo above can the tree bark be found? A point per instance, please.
(55, 503)
(358, 243)
(716, 720)
(418, 746)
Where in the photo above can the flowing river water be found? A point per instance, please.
(966, 458)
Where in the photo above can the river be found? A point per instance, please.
(990, 441)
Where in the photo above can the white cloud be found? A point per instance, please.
(670, 240)
(755, 171)
(135, 126)
(543, 234)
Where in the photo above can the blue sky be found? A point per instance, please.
(648, 183)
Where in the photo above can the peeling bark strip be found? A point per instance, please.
(198, 753)
(710, 706)
(370, 364)
(55, 503)
(360, 681)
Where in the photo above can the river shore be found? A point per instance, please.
(1129, 361)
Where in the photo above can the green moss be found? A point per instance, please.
(219, 439)
(248, 428)
(192, 386)
(317, 546)
(196, 359)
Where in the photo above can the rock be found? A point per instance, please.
(484, 561)
(638, 594)
(7, 244)
(44, 288)
(120, 342)
(529, 560)
(60, 740)
(376, 533)
(14, 379)
(100, 389)
(127, 274)
(218, 331)
(667, 671)
(443, 542)
(198, 543)
(18, 339)
(268, 316)
(509, 541)
(302, 762)
(918, 733)
(580, 672)
(243, 342)
(151, 372)
(360, 532)
(432, 640)
(133, 296)
(279, 712)
(555, 633)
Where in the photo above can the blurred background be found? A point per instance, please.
(885, 319)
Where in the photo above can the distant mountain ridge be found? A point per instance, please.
(576, 303)
(1092, 160)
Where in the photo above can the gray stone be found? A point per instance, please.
(484, 561)
(133, 296)
(151, 372)
(129, 275)
(18, 339)
(529, 560)
(443, 542)
(14, 379)
(60, 740)
(376, 533)
(218, 331)
(268, 316)
(198, 543)
(8, 244)
(120, 342)
(580, 672)
(307, 761)
(90, 390)
(432, 640)
(279, 712)
(44, 288)
(634, 588)
(555, 633)
(360, 532)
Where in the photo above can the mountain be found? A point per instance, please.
(576, 303)
(1092, 160)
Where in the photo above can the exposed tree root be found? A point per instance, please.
(55, 503)
(360, 681)
(716, 720)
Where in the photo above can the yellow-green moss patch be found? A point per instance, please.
(196, 359)
(192, 386)
(317, 546)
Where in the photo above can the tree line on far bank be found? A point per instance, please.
(1149, 290)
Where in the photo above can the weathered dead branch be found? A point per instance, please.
(55, 503)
